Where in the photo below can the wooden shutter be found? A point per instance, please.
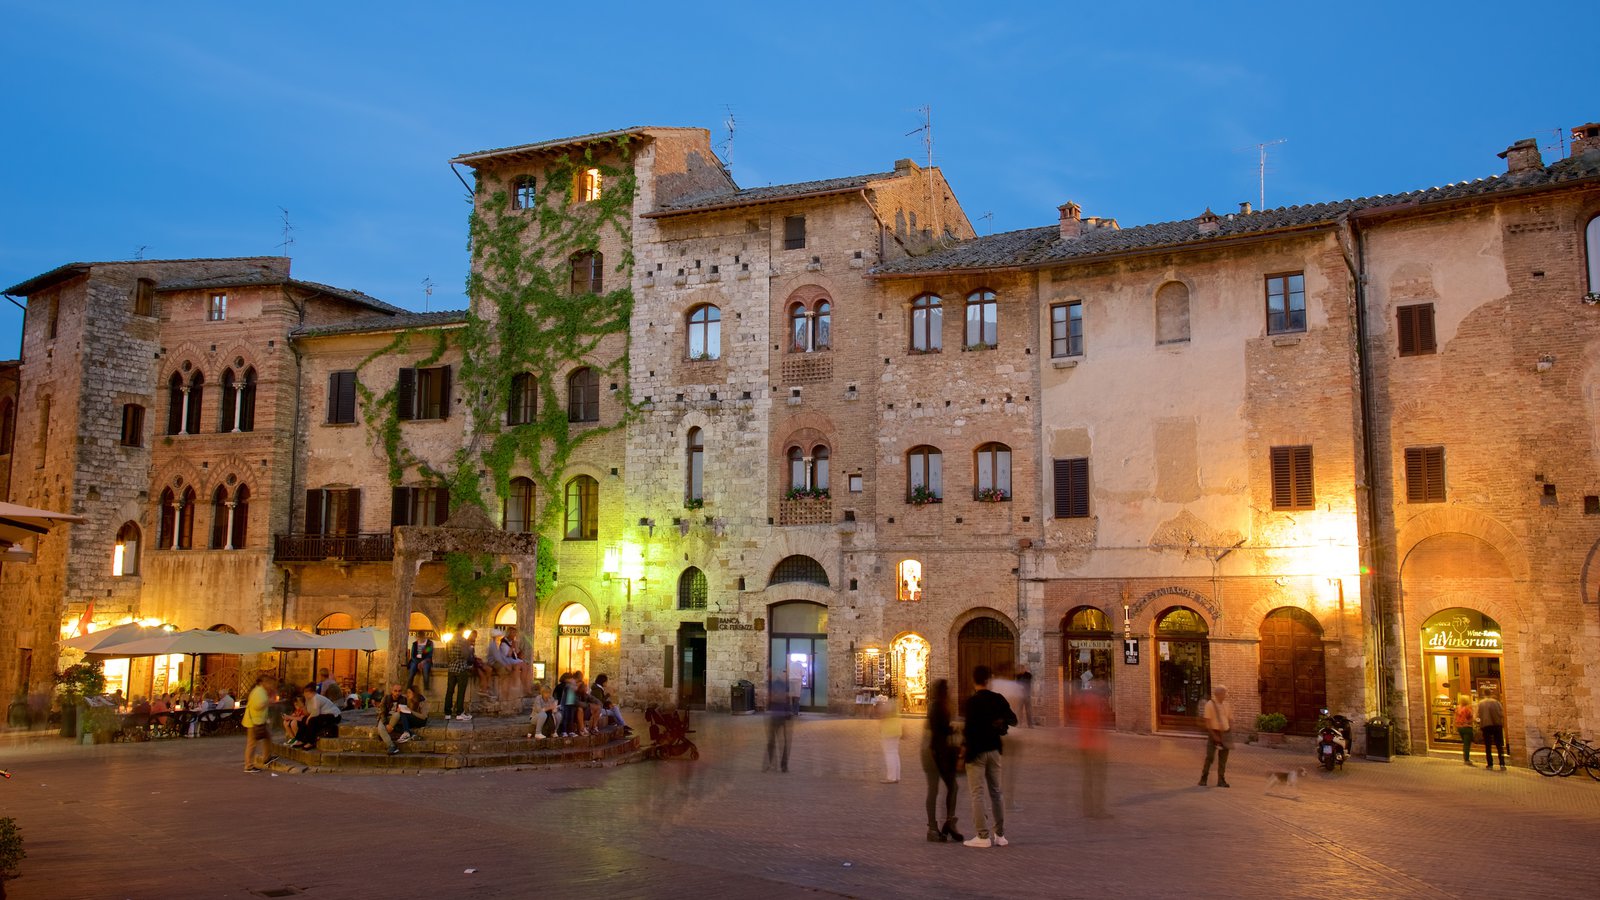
(342, 397)
(314, 511)
(1424, 474)
(400, 506)
(406, 394)
(352, 511)
(1415, 326)
(1071, 488)
(1292, 483)
(441, 505)
(444, 392)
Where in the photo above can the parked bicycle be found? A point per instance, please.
(1569, 754)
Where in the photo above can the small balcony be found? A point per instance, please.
(377, 547)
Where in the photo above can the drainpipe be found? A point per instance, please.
(294, 457)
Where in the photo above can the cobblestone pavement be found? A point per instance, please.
(180, 819)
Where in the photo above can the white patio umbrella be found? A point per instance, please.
(193, 643)
(18, 523)
(367, 639)
(103, 640)
(288, 639)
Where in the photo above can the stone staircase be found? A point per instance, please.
(445, 745)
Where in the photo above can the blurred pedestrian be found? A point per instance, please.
(939, 753)
(1464, 726)
(1090, 713)
(887, 711)
(1492, 722)
(989, 717)
(1025, 678)
(1218, 717)
(257, 712)
(780, 720)
(458, 673)
(1006, 685)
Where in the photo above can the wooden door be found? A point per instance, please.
(982, 642)
(691, 666)
(1293, 673)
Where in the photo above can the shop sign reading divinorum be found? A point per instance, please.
(1459, 633)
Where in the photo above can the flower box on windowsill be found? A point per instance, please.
(924, 352)
(975, 348)
(695, 503)
(993, 495)
(806, 494)
(921, 496)
(1592, 298)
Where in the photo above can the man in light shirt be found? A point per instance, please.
(1219, 735)
(257, 712)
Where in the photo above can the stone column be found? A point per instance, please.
(183, 425)
(405, 568)
(228, 540)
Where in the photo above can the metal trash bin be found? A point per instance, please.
(742, 700)
(1379, 743)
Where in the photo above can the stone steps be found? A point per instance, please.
(487, 743)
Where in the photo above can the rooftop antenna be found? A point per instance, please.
(139, 253)
(288, 233)
(727, 144)
(1261, 165)
(427, 294)
(988, 219)
(1560, 144)
(927, 141)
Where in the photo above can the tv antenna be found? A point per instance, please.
(427, 294)
(731, 124)
(1261, 165)
(1560, 144)
(139, 253)
(988, 219)
(288, 233)
(926, 130)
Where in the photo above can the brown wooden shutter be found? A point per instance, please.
(347, 397)
(1416, 329)
(406, 394)
(352, 511)
(444, 392)
(1407, 322)
(1304, 495)
(441, 505)
(1292, 484)
(1071, 482)
(1425, 475)
(400, 506)
(1425, 341)
(1282, 480)
(314, 511)
(1416, 490)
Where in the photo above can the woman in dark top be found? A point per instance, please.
(939, 763)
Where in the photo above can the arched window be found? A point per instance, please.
(524, 192)
(808, 475)
(522, 401)
(983, 320)
(824, 326)
(219, 519)
(819, 467)
(588, 267)
(692, 589)
(993, 481)
(799, 570)
(177, 402)
(583, 509)
(186, 505)
(8, 424)
(799, 329)
(227, 411)
(197, 389)
(241, 516)
(247, 402)
(1172, 313)
(165, 531)
(518, 512)
(1591, 243)
(797, 469)
(125, 555)
(705, 332)
(583, 396)
(924, 475)
(927, 324)
(695, 484)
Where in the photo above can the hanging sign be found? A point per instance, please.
(572, 630)
(1130, 651)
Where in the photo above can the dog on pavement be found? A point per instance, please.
(1289, 779)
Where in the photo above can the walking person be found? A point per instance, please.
(1464, 727)
(887, 711)
(1219, 735)
(1090, 713)
(780, 719)
(939, 754)
(460, 660)
(257, 712)
(1492, 722)
(1006, 684)
(989, 716)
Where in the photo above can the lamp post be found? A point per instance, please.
(624, 562)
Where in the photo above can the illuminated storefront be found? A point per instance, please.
(1087, 647)
(1461, 651)
(572, 639)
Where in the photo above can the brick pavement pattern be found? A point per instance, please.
(180, 819)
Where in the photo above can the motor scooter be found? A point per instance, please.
(1333, 741)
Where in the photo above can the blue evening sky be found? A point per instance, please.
(180, 129)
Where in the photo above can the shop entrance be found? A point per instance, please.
(1183, 670)
(218, 671)
(1461, 657)
(984, 641)
(691, 666)
(799, 652)
(572, 639)
(341, 664)
(1293, 674)
(1086, 646)
(908, 667)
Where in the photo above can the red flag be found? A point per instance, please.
(83, 620)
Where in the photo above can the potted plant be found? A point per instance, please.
(11, 852)
(73, 684)
(799, 493)
(922, 496)
(993, 495)
(1271, 726)
(694, 503)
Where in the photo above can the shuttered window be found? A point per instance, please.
(341, 398)
(423, 393)
(333, 511)
(419, 506)
(794, 232)
(1291, 478)
(1424, 474)
(1072, 488)
(1415, 324)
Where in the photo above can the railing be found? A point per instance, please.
(350, 547)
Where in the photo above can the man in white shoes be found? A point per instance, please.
(988, 717)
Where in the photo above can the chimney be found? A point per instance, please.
(1244, 208)
(1071, 220)
(1585, 138)
(1209, 221)
(1523, 156)
(905, 167)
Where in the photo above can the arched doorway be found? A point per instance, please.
(1460, 657)
(1086, 646)
(908, 669)
(1183, 669)
(984, 641)
(799, 651)
(218, 670)
(506, 615)
(341, 664)
(1293, 674)
(572, 639)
